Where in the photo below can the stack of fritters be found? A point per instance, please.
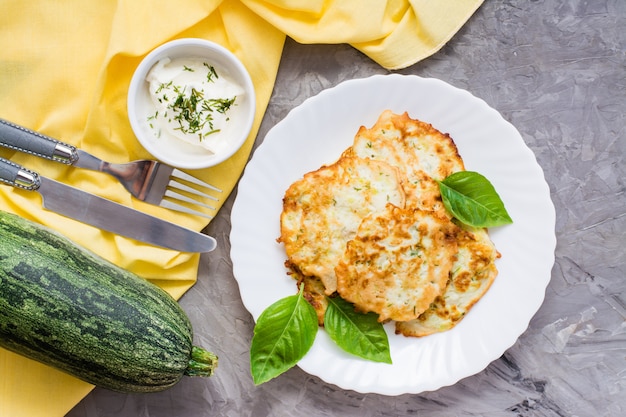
(372, 229)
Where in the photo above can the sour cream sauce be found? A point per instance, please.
(194, 101)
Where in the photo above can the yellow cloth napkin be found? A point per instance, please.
(65, 69)
(394, 33)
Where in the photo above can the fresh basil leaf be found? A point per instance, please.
(359, 334)
(473, 200)
(283, 334)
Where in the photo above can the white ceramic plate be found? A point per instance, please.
(315, 133)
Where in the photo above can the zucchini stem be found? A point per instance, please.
(202, 362)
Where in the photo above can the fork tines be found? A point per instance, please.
(174, 186)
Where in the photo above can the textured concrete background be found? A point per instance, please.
(556, 69)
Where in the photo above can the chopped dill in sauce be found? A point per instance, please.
(191, 98)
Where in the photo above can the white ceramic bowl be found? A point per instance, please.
(174, 151)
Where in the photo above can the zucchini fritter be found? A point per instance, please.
(397, 263)
(323, 210)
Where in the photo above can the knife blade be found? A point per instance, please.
(105, 214)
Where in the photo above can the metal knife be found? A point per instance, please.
(105, 214)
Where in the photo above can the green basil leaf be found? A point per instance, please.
(359, 334)
(283, 334)
(473, 200)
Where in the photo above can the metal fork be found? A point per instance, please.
(147, 180)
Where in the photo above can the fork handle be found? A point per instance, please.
(22, 139)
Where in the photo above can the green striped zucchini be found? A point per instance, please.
(68, 308)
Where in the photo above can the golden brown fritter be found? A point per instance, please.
(410, 144)
(419, 150)
(323, 210)
(397, 263)
(472, 274)
(314, 292)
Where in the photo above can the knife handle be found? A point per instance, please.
(18, 176)
(22, 139)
